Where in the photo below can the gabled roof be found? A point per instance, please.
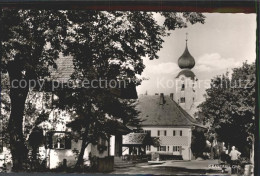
(115, 127)
(168, 114)
(137, 139)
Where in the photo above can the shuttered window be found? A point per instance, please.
(58, 140)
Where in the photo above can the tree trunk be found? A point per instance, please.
(211, 151)
(18, 96)
(81, 153)
(34, 158)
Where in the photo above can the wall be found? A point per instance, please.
(169, 140)
(189, 93)
(112, 146)
(55, 157)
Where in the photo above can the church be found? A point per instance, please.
(169, 117)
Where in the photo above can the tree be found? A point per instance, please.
(94, 118)
(31, 42)
(111, 46)
(229, 107)
(34, 118)
(198, 143)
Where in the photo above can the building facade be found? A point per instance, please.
(173, 141)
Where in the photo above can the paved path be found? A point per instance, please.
(174, 167)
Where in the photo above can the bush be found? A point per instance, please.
(198, 143)
(170, 157)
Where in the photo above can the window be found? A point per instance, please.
(180, 132)
(182, 87)
(158, 133)
(174, 133)
(58, 140)
(162, 148)
(147, 132)
(176, 148)
(182, 99)
(165, 132)
(148, 148)
(168, 148)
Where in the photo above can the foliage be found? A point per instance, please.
(101, 148)
(229, 107)
(198, 142)
(34, 35)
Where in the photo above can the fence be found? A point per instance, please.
(105, 164)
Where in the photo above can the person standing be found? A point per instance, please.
(234, 154)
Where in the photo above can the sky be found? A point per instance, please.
(223, 42)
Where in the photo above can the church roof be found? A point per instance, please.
(186, 60)
(188, 73)
(153, 113)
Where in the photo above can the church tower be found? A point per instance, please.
(186, 82)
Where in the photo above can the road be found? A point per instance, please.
(172, 168)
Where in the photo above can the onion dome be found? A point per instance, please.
(186, 61)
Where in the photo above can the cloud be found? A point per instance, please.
(162, 68)
(214, 62)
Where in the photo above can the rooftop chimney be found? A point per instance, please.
(171, 96)
(161, 99)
